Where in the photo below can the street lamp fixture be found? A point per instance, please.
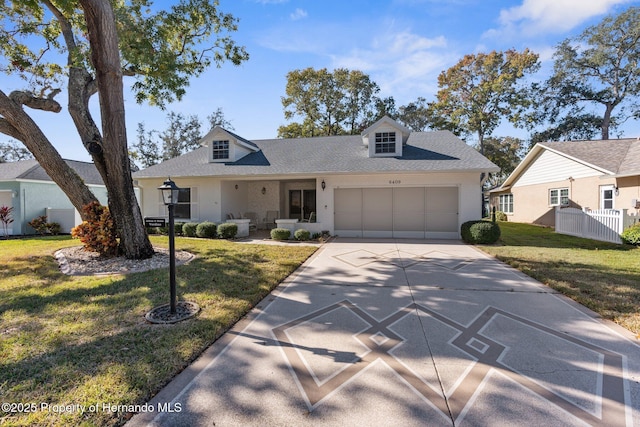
(170, 192)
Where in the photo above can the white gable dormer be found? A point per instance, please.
(385, 138)
(226, 147)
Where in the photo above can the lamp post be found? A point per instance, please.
(170, 192)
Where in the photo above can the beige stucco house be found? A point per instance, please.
(579, 174)
(387, 182)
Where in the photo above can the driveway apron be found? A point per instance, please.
(411, 333)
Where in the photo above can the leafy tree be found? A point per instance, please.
(481, 90)
(13, 151)
(415, 115)
(99, 43)
(597, 68)
(570, 127)
(329, 103)
(506, 153)
(181, 135)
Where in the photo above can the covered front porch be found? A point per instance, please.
(268, 204)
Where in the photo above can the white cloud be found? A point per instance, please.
(535, 17)
(298, 14)
(405, 65)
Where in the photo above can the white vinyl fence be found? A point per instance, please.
(605, 225)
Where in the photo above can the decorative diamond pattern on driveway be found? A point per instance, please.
(486, 344)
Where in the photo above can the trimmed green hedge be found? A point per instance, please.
(280, 234)
(189, 229)
(302, 234)
(631, 235)
(206, 230)
(227, 230)
(479, 231)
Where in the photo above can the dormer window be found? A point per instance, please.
(385, 142)
(220, 149)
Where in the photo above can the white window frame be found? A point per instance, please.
(385, 143)
(505, 203)
(603, 199)
(193, 205)
(217, 152)
(557, 198)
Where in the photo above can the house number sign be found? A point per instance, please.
(395, 181)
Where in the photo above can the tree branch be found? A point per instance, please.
(34, 102)
(8, 129)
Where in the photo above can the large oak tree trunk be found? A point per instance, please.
(17, 123)
(110, 153)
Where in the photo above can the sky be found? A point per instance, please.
(401, 44)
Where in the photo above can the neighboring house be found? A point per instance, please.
(387, 182)
(26, 187)
(581, 174)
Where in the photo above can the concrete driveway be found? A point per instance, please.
(402, 332)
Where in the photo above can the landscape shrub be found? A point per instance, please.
(484, 232)
(98, 232)
(39, 224)
(54, 228)
(227, 230)
(501, 216)
(302, 234)
(280, 234)
(631, 235)
(206, 230)
(189, 229)
(177, 228)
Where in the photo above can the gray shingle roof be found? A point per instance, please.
(31, 170)
(439, 151)
(617, 156)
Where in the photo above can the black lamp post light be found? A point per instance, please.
(175, 311)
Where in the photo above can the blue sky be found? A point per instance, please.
(401, 44)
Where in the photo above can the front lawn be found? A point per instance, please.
(84, 341)
(602, 276)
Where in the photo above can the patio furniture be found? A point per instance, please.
(270, 220)
(253, 223)
(312, 218)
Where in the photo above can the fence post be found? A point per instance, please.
(622, 221)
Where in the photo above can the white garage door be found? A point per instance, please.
(409, 212)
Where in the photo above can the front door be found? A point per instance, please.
(606, 197)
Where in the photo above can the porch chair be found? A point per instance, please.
(270, 220)
(312, 218)
(253, 223)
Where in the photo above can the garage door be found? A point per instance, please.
(404, 212)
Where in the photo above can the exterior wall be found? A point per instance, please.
(552, 167)
(531, 202)
(269, 201)
(32, 198)
(6, 199)
(234, 200)
(206, 197)
(628, 190)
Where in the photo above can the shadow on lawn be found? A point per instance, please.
(115, 343)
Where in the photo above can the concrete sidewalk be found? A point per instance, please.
(400, 332)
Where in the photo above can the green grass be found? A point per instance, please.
(84, 340)
(604, 277)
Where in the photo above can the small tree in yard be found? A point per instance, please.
(98, 232)
(6, 218)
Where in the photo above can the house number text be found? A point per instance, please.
(395, 181)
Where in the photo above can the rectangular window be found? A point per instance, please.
(559, 197)
(606, 197)
(506, 203)
(385, 142)
(220, 149)
(183, 209)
